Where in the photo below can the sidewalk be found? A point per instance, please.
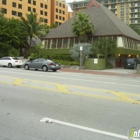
(110, 72)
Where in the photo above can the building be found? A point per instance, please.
(106, 24)
(78, 6)
(49, 11)
(127, 10)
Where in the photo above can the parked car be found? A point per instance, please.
(10, 62)
(41, 63)
(130, 63)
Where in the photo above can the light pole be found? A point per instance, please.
(81, 48)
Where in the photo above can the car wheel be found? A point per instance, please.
(9, 65)
(45, 68)
(54, 70)
(26, 67)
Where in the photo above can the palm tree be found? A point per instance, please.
(82, 26)
(106, 47)
(32, 27)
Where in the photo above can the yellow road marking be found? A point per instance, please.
(18, 81)
(124, 97)
(62, 88)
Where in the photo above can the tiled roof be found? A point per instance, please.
(105, 23)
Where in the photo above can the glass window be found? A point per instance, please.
(34, 10)
(41, 60)
(41, 5)
(13, 4)
(19, 6)
(4, 2)
(41, 12)
(46, 20)
(56, 16)
(14, 13)
(34, 61)
(19, 14)
(46, 6)
(29, 8)
(34, 2)
(46, 13)
(60, 11)
(4, 11)
(63, 5)
(29, 1)
(63, 12)
(41, 20)
(56, 10)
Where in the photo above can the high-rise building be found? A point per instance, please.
(127, 10)
(48, 11)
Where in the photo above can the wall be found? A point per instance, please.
(89, 64)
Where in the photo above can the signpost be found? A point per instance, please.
(81, 49)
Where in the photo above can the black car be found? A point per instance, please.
(130, 63)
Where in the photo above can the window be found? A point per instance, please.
(60, 11)
(29, 8)
(41, 5)
(133, 10)
(46, 20)
(34, 10)
(59, 17)
(41, 12)
(63, 12)
(46, 6)
(19, 14)
(56, 3)
(133, 4)
(14, 4)
(56, 10)
(29, 1)
(46, 13)
(63, 5)
(19, 6)
(60, 4)
(34, 61)
(56, 16)
(63, 19)
(4, 11)
(4, 2)
(14, 13)
(34, 2)
(41, 19)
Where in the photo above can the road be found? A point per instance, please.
(37, 105)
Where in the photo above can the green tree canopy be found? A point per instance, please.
(10, 36)
(105, 46)
(82, 26)
(135, 28)
(32, 27)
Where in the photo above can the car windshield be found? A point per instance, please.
(130, 60)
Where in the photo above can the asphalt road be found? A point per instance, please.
(36, 105)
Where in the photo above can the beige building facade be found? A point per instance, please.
(48, 11)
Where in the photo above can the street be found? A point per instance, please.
(37, 105)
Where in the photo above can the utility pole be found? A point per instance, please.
(81, 49)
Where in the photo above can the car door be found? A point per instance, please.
(1, 61)
(33, 63)
(40, 63)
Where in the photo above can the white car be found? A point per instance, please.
(10, 62)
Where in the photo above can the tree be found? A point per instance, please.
(135, 28)
(32, 27)
(82, 26)
(106, 47)
(10, 34)
(75, 51)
